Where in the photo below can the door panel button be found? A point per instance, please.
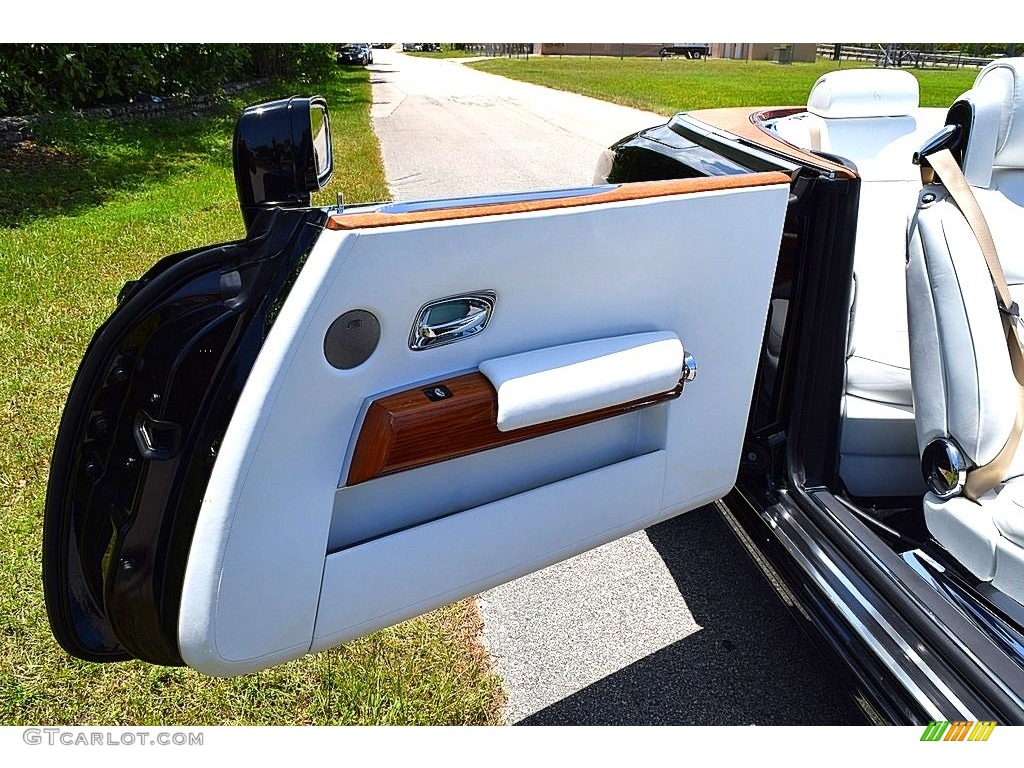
(437, 392)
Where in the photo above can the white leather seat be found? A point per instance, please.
(871, 119)
(964, 389)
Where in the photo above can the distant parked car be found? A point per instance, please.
(412, 46)
(355, 53)
(689, 50)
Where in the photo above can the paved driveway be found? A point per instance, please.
(446, 129)
(670, 625)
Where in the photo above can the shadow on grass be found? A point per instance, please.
(76, 162)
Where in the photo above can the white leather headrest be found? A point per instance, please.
(864, 93)
(998, 98)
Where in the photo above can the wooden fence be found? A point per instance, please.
(896, 56)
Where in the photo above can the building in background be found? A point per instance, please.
(782, 52)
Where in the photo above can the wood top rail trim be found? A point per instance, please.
(623, 192)
(746, 123)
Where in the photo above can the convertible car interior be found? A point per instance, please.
(904, 431)
(871, 122)
(967, 387)
(373, 439)
(926, 356)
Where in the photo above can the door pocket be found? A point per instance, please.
(482, 547)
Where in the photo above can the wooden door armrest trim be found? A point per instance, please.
(407, 430)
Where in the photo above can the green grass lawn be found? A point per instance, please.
(674, 85)
(87, 206)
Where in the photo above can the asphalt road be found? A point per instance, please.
(446, 129)
(672, 625)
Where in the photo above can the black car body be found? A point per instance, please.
(163, 393)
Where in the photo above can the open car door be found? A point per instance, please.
(276, 446)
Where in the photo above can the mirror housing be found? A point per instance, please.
(281, 154)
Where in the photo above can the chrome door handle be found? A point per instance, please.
(471, 321)
(451, 319)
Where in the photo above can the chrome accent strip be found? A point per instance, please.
(964, 648)
(782, 523)
(513, 197)
(935, 575)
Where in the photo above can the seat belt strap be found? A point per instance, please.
(815, 131)
(984, 478)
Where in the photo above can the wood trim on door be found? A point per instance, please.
(407, 429)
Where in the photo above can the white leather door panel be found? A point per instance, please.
(291, 555)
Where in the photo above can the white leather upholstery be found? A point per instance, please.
(1009, 576)
(864, 93)
(965, 531)
(871, 119)
(997, 132)
(571, 379)
(878, 455)
(963, 384)
(1009, 514)
(878, 364)
(286, 556)
(883, 377)
(975, 535)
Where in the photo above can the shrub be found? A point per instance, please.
(44, 76)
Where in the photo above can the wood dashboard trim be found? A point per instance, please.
(406, 429)
(633, 191)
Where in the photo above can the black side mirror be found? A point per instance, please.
(282, 154)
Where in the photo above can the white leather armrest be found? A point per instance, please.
(558, 382)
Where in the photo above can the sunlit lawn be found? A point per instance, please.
(673, 85)
(87, 206)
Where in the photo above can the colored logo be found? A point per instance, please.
(964, 730)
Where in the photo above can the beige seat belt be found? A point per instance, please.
(815, 130)
(983, 479)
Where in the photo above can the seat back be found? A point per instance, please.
(963, 385)
(871, 119)
(868, 117)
